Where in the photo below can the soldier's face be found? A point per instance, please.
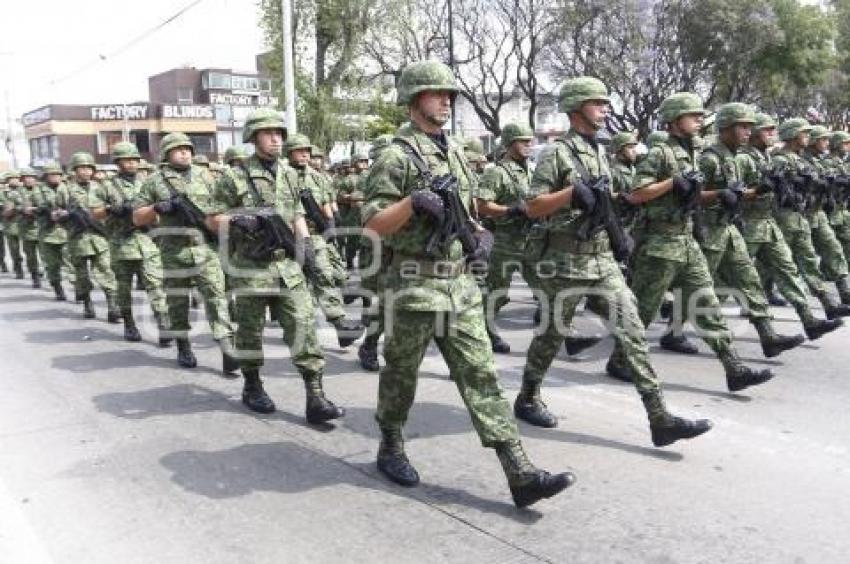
(434, 106)
(269, 142)
(741, 133)
(299, 157)
(766, 136)
(844, 148)
(14, 183)
(361, 165)
(595, 111)
(803, 138)
(629, 153)
(30, 181)
(180, 156)
(822, 144)
(316, 163)
(83, 174)
(688, 125)
(128, 166)
(521, 149)
(54, 179)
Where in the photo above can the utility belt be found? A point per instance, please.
(568, 242)
(429, 268)
(683, 226)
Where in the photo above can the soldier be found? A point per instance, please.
(235, 155)
(3, 189)
(765, 242)
(327, 287)
(473, 150)
(723, 246)
(52, 236)
(794, 224)
(561, 189)
(433, 293)
(343, 186)
(87, 244)
(189, 253)
(27, 225)
(274, 279)
(132, 250)
(353, 196)
(203, 162)
(840, 217)
(10, 222)
(669, 256)
(99, 174)
(145, 169)
(833, 263)
(656, 138)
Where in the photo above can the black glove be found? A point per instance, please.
(428, 203)
(768, 184)
(308, 259)
(517, 210)
(124, 209)
(246, 223)
(483, 247)
(164, 207)
(583, 197)
(729, 197)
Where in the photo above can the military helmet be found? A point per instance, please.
(260, 119)
(202, 160)
(296, 141)
(421, 76)
(145, 165)
(657, 138)
(473, 145)
(316, 151)
(679, 104)
(379, 143)
(234, 152)
(360, 155)
(125, 150)
(734, 113)
(27, 171)
(173, 141)
(576, 91)
(819, 132)
(82, 158)
(515, 132)
(791, 128)
(622, 139)
(839, 138)
(12, 174)
(51, 167)
(763, 121)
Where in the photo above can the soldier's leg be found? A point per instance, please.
(326, 289)
(151, 274)
(803, 251)
(210, 282)
(177, 291)
(15, 252)
(372, 320)
(52, 254)
(68, 264)
(103, 276)
(31, 256)
(123, 270)
(3, 267)
(502, 266)
(833, 261)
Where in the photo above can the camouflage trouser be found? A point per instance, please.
(775, 261)
(833, 264)
(30, 247)
(295, 313)
(842, 231)
(466, 350)
(328, 287)
(101, 270)
(653, 275)
(372, 285)
(149, 271)
(610, 298)
(803, 250)
(350, 245)
(504, 261)
(14, 244)
(733, 266)
(3, 247)
(54, 259)
(203, 272)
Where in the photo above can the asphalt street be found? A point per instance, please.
(111, 453)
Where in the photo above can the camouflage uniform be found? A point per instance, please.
(53, 237)
(10, 223)
(27, 225)
(839, 219)
(346, 185)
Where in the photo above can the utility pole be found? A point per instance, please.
(452, 56)
(288, 74)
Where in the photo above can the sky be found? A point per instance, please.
(51, 50)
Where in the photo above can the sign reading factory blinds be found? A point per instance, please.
(187, 112)
(119, 111)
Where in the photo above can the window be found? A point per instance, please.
(218, 80)
(223, 114)
(265, 84)
(184, 95)
(224, 140)
(54, 147)
(203, 144)
(245, 83)
(106, 140)
(34, 149)
(141, 139)
(44, 147)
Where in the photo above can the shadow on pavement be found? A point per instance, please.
(182, 399)
(120, 360)
(39, 315)
(74, 335)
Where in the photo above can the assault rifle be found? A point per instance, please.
(456, 224)
(689, 188)
(603, 216)
(189, 214)
(312, 210)
(80, 221)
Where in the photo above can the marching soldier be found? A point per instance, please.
(10, 222)
(840, 217)
(27, 224)
(435, 297)
(52, 236)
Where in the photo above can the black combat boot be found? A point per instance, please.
(88, 308)
(817, 328)
(843, 290)
(497, 344)
(615, 368)
(229, 363)
(773, 344)
(667, 428)
(368, 355)
(185, 356)
(253, 394)
(59, 291)
(347, 331)
(36, 280)
(529, 406)
(131, 332)
(739, 376)
(677, 343)
(666, 310)
(393, 462)
(163, 326)
(528, 483)
(577, 343)
(774, 298)
(113, 314)
(831, 308)
(319, 408)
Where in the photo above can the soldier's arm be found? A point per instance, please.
(549, 191)
(651, 180)
(386, 211)
(98, 202)
(143, 212)
(485, 202)
(224, 196)
(749, 174)
(708, 165)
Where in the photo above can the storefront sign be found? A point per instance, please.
(187, 112)
(119, 112)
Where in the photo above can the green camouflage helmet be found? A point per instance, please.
(173, 141)
(27, 171)
(734, 113)
(763, 121)
(263, 118)
(234, 152)
(657, 138)
(421, 76)
(296, 141)
(51, 167)
(838, 138)
(473, 145)
(515, 132)
(82, 159)
(791, 128)
(576, 91)
(679, 104)
(379, 143)
(201, 160)
(145, 165)
(12, 174)
(819, 132)
(125, 150)
(622, 139)
(316, 152)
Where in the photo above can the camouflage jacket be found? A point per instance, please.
(22, 199)
(788, 219)
(506, 183)
(7, 203)
(393, 177)
(49, 231)
(128, 241)
(758, 223)
(312, 181)
(279, 189)
(73, 195)
(721, 169)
